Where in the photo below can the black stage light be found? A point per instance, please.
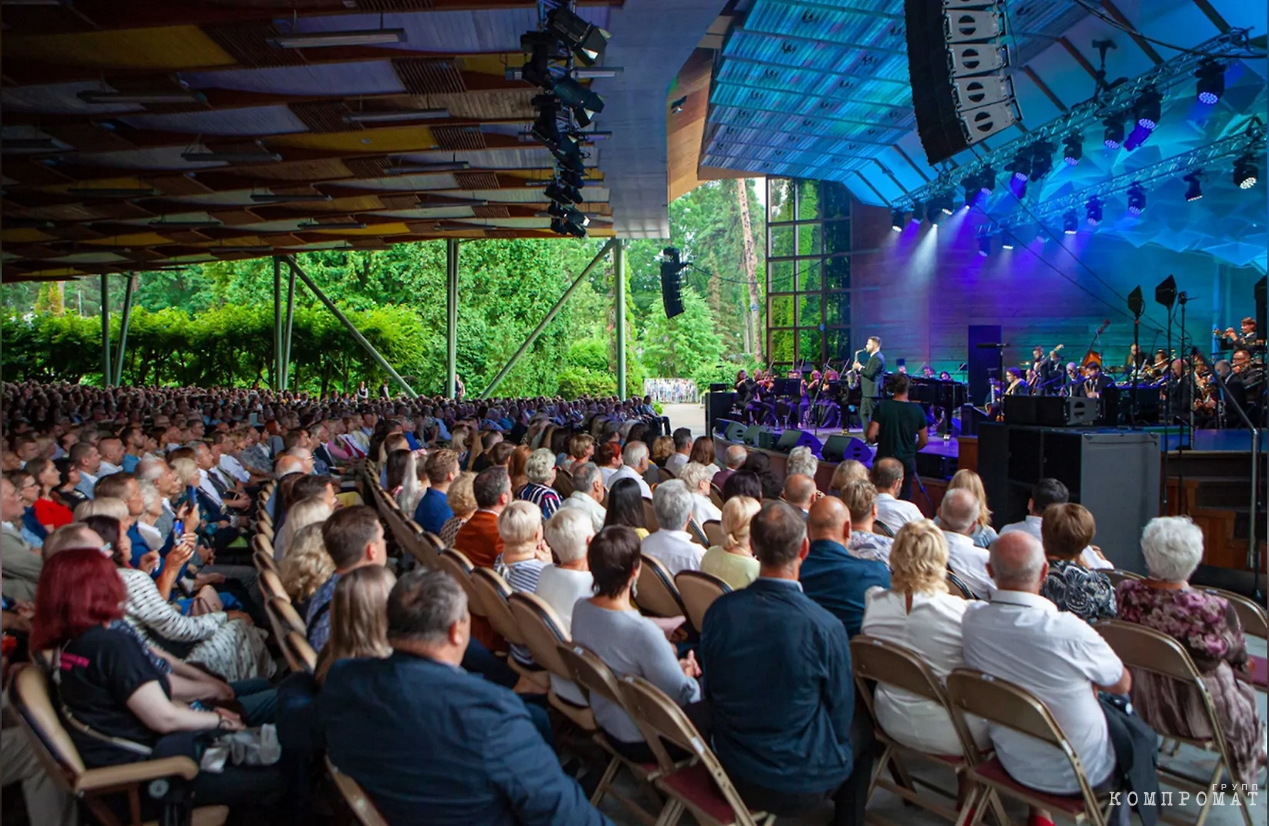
(986, 180)
(560, 227)
(1245, 172)
(984, 245)
(1093, 211)
(1136, 199)
(1073, 149)
(944, 202)
(1148, 109)
(896, 220)
(1165, 293)
(538, 47)
(1020, 166)
(546, 128)
(1113, 137)
(1041, 159)
(1195, 189)
(569, 214)
(586, 41)
(1006, 241)
(584, 103)
(971, 190)
(1211, 81)
(1070, 223)
(563, 194)
(932, 212)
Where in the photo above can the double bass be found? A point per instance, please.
(1093, 354)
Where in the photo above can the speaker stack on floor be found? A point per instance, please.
(760, 436)
(841, 447)
(957, 60)
(791, 438)
(735, 432)
(1050, 411)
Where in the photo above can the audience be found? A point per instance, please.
(588, 494)
(608, 457)
(48, 512)
(703, 454)
(957, 514)
(540, 471)
(610, 626)
(671, 544)
(524, 555)
(625, 507)
(733, 562)
(313, 510)
(860, 498)
(1207, 627)
(1021, 637)
(742, 483)
(433, 509)
(695, 477)
(581, 449)
(759, 464)
(848, 470)
(20, 564)
(431, 743)
(306, 568)
(354, 539)
(461, 499)
(634, 463)
(780, 708)
(403, 480)
(1044, 493)
(358, 618)
(983, 534)
(478, 537)
(800, 492)
(830, 575)
(568, 535)
(892, 512)
(1066, 531)
(801, 461)
(682, 451)
(733, 459)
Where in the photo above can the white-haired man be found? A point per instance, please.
(672, 545)
(588, 494)
(1022, 637)
(634, 463)
(958, 516)
(540, 471)
(801, 460)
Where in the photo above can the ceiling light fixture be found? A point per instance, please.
(1007, 242)
(984, 245)
(516, 73)
(586, 41)
(1195, 189)
(563, 194)
(1041, 159)
(320, 40)
(896, 220)
(986, 180)
(584, 103)
(1136, 199)
(304, 198)
(396, 115)
(175, 96)
(1070, 222)
(1211, 81)
(1113, 137)
(1093, 211)
(1020, 166)
(1148, 109)
(1245, 172)
(1073, 149)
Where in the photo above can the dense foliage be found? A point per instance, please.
(212, 324)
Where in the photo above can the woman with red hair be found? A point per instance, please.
(116, 703)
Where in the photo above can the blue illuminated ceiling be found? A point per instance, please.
(819, 89)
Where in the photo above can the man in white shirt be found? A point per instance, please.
(672, 545)
(682, 450)
(634, 462)
(1022, 637)
(568, 533)
(894, 513)
(1052, 492)
(111, 451)
(958, 515)
(588, 493)
(84, 455)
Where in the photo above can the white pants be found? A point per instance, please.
(46, 803)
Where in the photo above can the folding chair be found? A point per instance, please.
(263, 545)
(494, 593)
(882, 529)
(33, 702)
(286, 613)
(363, 808)
(594, 678)
(271, 586)
(543, 634)
(658, 595)
(1251, 616)
(456, 564)
(957, 588)
(1005, 704)
(265, 529)
(702, 787)
(264, 562)
(880, 661)
(1156, 652)
(1118, 575)
(714, 533)
(697, 533)
(650, 516)
(280, 627)
(698, 590)
(666, 472)
(425, 546)
(303, 653)
(436, 541)
(715, 495)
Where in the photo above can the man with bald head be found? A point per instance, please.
(831, 575)
(1022, 637)
(112, 452)
(958, 516)
(800, 492)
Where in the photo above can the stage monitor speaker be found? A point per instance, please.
(983, 361)
(735, 432)
(718, 406)
(1051, 411)
(790, 439)
(957, 60)
(760, 436)
(841, 447)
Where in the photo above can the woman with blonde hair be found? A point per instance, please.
(358, 618)
(846, 472)
(662, 449)
(310, 511)
(734, 562)
(984, 534)
(918, 613)
(307, 567)
(462, 501)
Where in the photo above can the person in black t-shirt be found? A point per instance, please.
(899, 428)
(114, 701)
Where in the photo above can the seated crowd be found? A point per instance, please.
(146, 532)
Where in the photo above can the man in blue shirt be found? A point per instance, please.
(433, 510)
(432, 744)
(830, 575)
(779, 695)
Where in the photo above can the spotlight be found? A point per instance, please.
(918, 209)
(1070, 223)
(1245, 172)
(584, 103)
(539, 48)
(546, 128)
(971, 190)
(1020, 166)
(1195, 190)
(1211, 81)
(1093, 211)
(1006, 243)
(896, 220)
(1136, 199)
(984, 245)
(1041, 160)
(932, 212)
(986, 180)
(943, 201)
(1073, 149)
(1148, 109)
(586, 41)
(569, 214)
(1114, 135)
(560, 227)
(563, 194)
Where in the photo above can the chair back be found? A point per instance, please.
(1251, 615)
(287, 615)
(664, 473)
(493, 592)
(363, 808)
(543, 631)
(264, 545)
(697, 533)
(436, 541)
(716, 495)
(657, 593)
(265, 529)
(1118, 575)
(456, 564)
(425, 546)
(714, 533)
(957, 588)
(271, 586)
(563, 483)
(882, 529)
(303, 653)
(698, 590)
(33, 701)
(650, 516)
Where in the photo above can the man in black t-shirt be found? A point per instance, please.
(900, 429)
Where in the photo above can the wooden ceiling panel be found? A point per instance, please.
(248, 44)
(428, 76)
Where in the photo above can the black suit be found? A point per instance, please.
(871, 378)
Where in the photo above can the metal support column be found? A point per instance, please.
(286, 330)
(619, 288)
(277, 323)
(348, 325)
(123, 326)
(451, 317)
(105, 330)
(537, 331)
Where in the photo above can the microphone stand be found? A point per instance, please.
(1167, 415)
(1137, 361)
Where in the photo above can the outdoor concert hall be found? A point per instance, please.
(636, 412)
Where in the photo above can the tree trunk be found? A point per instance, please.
(751, 267)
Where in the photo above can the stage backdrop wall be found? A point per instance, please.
(921, 288)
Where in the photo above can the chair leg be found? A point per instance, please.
(671, 813)
(970, 804)
(998, 809)
(604, 781)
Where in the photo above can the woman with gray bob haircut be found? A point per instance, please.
(1208, 628)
